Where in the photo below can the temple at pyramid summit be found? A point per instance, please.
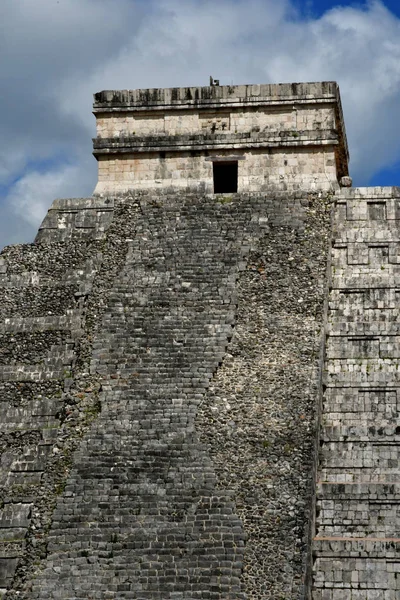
(200, 363)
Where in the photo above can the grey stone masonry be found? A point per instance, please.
(200, 364)
(357, 543)
(76, 218)
(144, 100)
(43, 406)
(173, 458)
(283, 137)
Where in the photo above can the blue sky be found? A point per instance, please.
(57, 53)
(316, 8)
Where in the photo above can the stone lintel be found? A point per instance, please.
(224, 158)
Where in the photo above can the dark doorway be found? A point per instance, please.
(225, 177)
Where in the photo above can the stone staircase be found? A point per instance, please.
(141, 516)
(160, 378)
(357, 543)
(151, 506)
(43, 291)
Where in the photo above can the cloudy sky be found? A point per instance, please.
(56, 53)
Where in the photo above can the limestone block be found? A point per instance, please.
(15, 516)
(358, 495)
(358, 254)
(7, 569)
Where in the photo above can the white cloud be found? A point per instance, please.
(60, 52)
(360, 49)
(34, 192)
(48, 42)
(241, 42)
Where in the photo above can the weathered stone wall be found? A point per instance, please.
(279, 169)
(76, 219)
(357, 544)
(288, 118)
(290, 137)
(161, 356)
(183, 367)
(43, 292)
(224, 96)
(51, 304)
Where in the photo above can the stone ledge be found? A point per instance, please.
(71, 320)
(201, 142)
(368, 193)
(31, 373)
(215, 96)
(92, 202)
(342, 547)
(368, 491)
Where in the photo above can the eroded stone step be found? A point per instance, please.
(362, 372)
(386, 231)
(359, 455)
(352, 474)
(361, 427)
(38, 301)
(69, 321)
(383, 402)
(378, 275)
(346, 255)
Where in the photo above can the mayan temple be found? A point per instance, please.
(200, 364)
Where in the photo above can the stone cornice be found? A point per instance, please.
(179, 143)
(215, 96)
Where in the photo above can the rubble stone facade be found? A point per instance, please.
(199, 364)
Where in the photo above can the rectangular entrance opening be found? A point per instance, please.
(225, 175)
